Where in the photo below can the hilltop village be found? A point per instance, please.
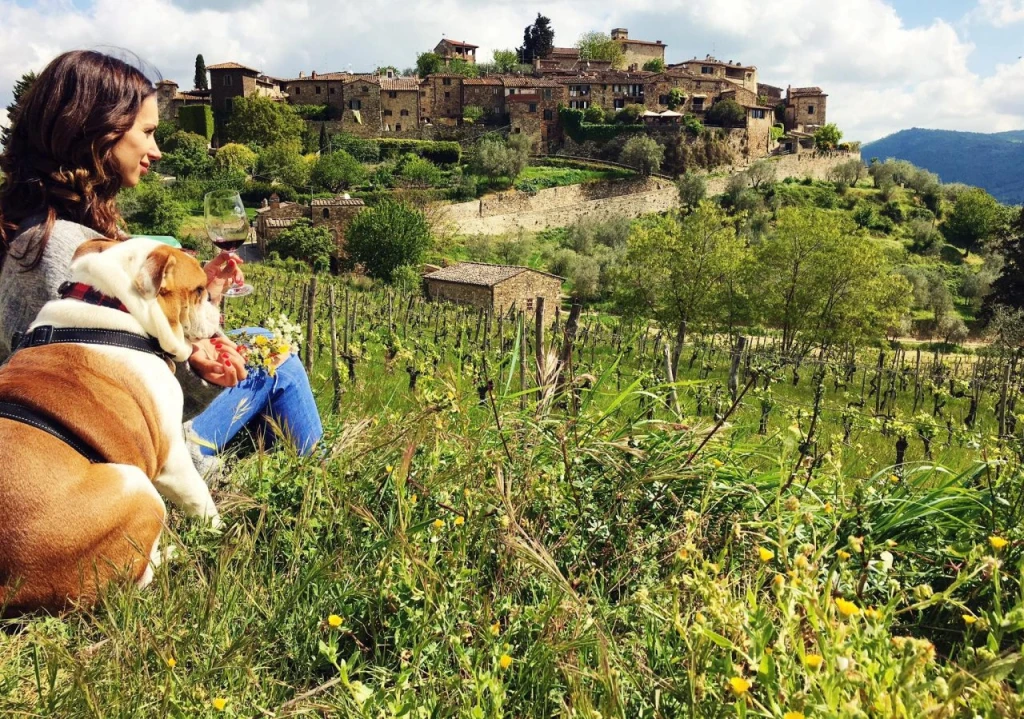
(386, 104)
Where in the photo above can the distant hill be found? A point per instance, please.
(994, 162)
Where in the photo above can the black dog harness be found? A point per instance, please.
(48, 335)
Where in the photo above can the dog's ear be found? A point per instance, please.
(94, 247)
(153, 275)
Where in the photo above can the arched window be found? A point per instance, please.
(327, 213)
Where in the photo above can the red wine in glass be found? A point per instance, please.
(228, 227)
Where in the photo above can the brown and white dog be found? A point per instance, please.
(67, 526)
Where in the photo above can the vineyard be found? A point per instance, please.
(587, 519)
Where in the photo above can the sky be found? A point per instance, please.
(886, 65)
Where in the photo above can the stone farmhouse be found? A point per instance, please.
(335, 213)
(496, 288)
(382, 105)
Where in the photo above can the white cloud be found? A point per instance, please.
(1002, 12)
(881, 75)
(3, 117)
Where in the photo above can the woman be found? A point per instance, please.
(85, 130)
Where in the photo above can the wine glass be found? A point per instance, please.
(228, 228)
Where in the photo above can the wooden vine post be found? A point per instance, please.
(335, 375)
(310, 320)
(539, 340)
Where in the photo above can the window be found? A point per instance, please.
(447, 94)
(392, 94)
(398, 128)
(547, 93)
(529, 304)
(549, 115)
(227, 81)
(423, 93)
(298, 90)
(404, 113)
(810, 109)
(517, 130)
(619, 104)
(327, 213)
(317, 89)
(662, 99)
(698, 104)
(496, 91)
(387, 113)
(707, 70)
(758, 114)
(533, 107)
(333, 89)
(229, 104)
(446, 81)
(355, 104)
(364, 88)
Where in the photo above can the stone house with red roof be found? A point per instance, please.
(638, 52)
(449, 50)
(496, 288)
(805, 109)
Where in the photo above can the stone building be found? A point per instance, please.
(441, 99)
(317, 89)
(805, 109)
(711, 68)
(400, 103)
(610, 90)
(699, 93)
(335, 213)
(361, 114)
(449, 50)
(560, 58)
(229, 80)
(169, 100)
(533, 109)
(638, 52)
(487, 93)
(495, 288)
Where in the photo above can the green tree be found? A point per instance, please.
(261, 122)
(819, 282)
(188, 155)
(692, 190)
(538, 39)
(594, 114)
(655, 65)
(302, 241)
(676, 98)
(200, 81)
(388, 236)
(21, 88)
(458, 66)
(496, 157)
(235, 158)
(337, 171)
(150, 209)
(827, 137)
(419, 172)
(683, 272)
(472, 113)
(630, 114)
(975, 218)
(643, 153)
(1008, 288)
(283, 162)
(505, 61)
(761, 174)
(727, 113)
(323, 143)
(428, 63)
(600, 46)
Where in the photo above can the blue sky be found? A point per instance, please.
(886, 64)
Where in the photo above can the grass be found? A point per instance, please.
(505, 557)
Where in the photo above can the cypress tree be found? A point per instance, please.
(20, 88)
(200, 81)
(323, 137)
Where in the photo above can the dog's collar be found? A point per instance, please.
(87, 293)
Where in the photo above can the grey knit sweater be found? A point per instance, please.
(23, 293)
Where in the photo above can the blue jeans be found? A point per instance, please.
(261, 401)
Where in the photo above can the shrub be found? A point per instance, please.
(312, 245)
(407, 278)
(594, 115)
(692, 189)
(197, 119)
(630, 114)
(643, 153)
(472, 113)
(188, 155)
(312, 112)
(654, 65)
(440, 152)
(385, 237)
(496, 158)
(150, 209)
(235, 157)
(727, 113)
(254, 193)
(676, 97)
(336, 171)
(893, 211)
(419, 172)
(363, 150)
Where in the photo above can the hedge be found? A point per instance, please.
(197, 119)
(579, 131)
(254, 193)
(439, 152)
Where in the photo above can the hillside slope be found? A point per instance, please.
(994, 162)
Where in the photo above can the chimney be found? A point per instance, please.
(312, 75)
(301, 74)
(275, 201)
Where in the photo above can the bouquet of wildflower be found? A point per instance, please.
(263, 352)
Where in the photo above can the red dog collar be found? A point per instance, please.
(87, 293)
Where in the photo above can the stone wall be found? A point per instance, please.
(522, 290)
(507, 212)
(404, 101)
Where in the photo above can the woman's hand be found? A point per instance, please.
(222, 273)
(219, 361)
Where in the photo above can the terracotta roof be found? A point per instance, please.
(167, 82)
(806, 91)
(231, 66)
(443, 75)
(192, 97)
(399, 83)
(321, 76)
(484, 275)
(457, 43)
(279, 222)
(372, 79)
(481, 81)
(516, 81)
(716, 61)
(564, 52)
(336, 202)
(260, 210)
(640, 42)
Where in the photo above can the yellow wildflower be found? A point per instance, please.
(813, 661)
(793, 715)
(496, 628)
(846, 608)
(334, 620)
(459, 521)
(505, 662)
(219, 703)
(969, 619)
(414, 499)
(828, 510)
(172, 662)
(997, 542)
(718, 463)
(843, 554)
(765, 554)
(739, 686)
(389, 469)
(778, 581)
(894, 478)
(438, 524)
(872, 613)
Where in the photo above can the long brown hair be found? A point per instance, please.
(58, 163)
